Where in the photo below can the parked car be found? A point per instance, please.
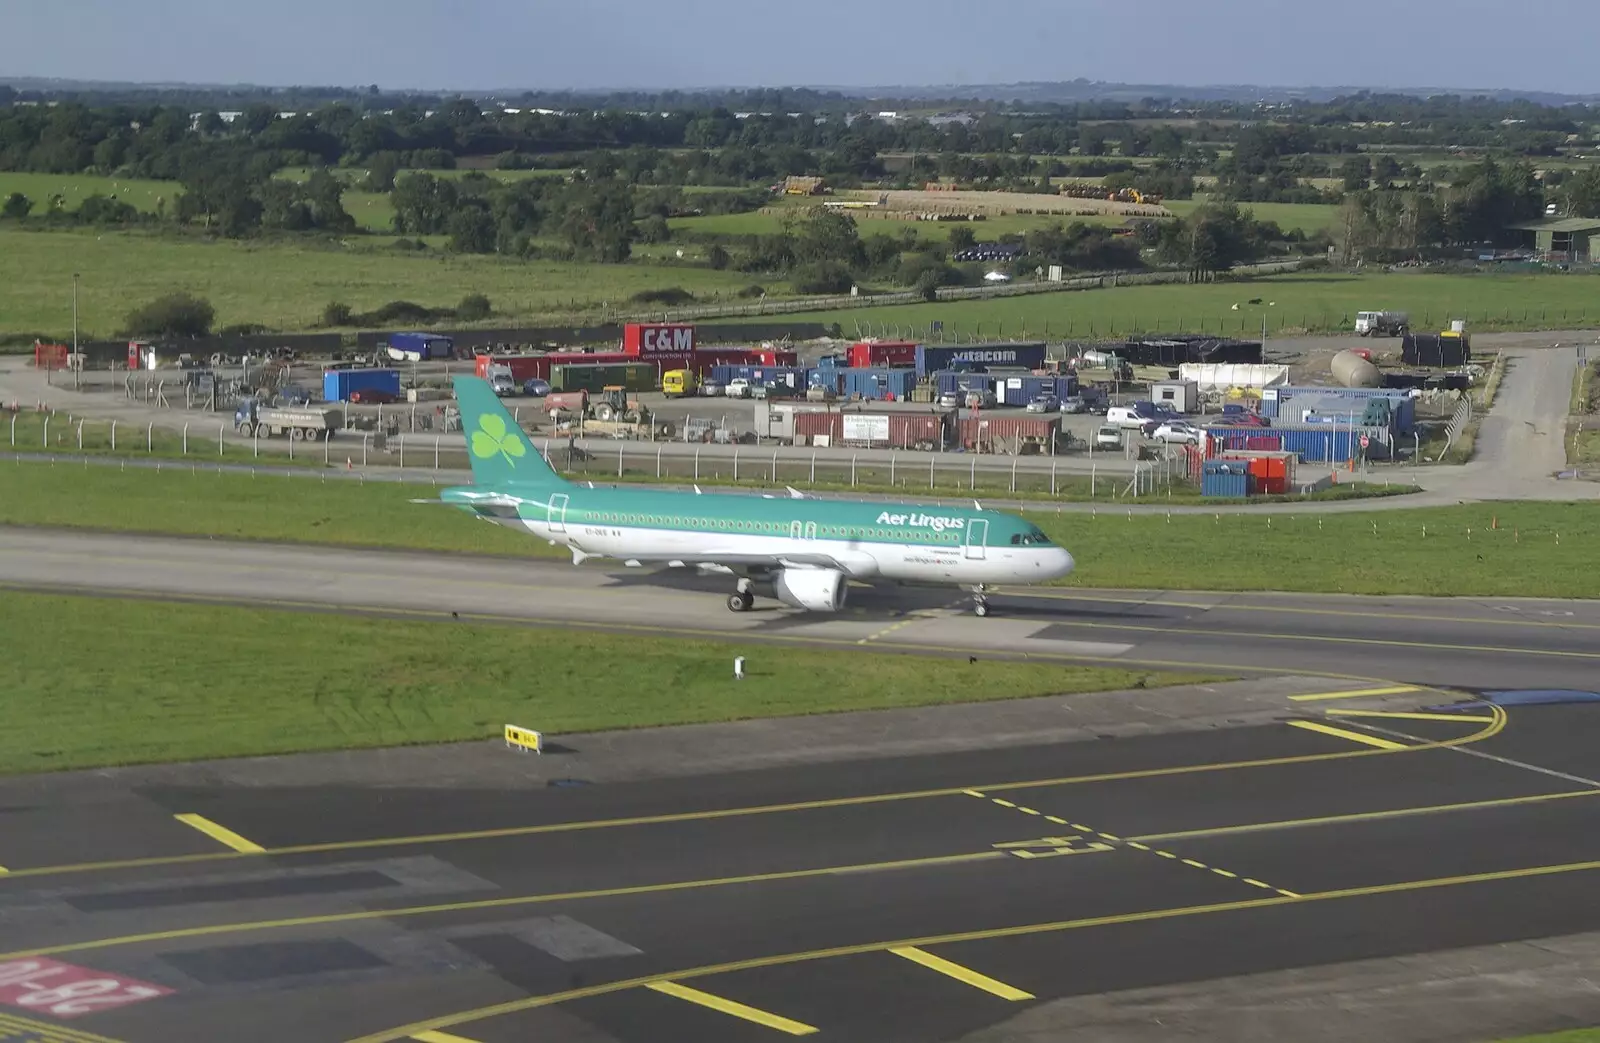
(710, 387)
(1178, 431)
(980, 400)
(1108, 437)
(1044, 404)
(950, 401)
(738, 389)
(1074, 404)
(1126, 416)
(536, 386)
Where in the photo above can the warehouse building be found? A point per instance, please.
(1564, 240)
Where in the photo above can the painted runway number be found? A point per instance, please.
(1048, 847)
(65, 991)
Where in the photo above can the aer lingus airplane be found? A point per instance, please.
(804, 550)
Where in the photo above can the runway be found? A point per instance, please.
(957, 896)
(1452, 642)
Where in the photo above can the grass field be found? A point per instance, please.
(1309, 218)
(190, 682)
(74, 188)
(1320, 301)
(285, 285)
(1515, 549)
(756, 223)
(1573, 1036)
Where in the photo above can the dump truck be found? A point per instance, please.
(253, 419)
(1382, 323)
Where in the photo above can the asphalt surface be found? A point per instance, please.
(882, 897)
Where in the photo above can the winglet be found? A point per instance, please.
(977, 506)
(697, 491)
(795, 494)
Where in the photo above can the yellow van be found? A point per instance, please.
(678, 382)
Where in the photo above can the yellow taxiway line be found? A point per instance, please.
(732, 1008)
(1341, 733)
(221, 834)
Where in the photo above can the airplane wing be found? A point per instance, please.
(741, 561)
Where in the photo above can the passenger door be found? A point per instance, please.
(557, 513)
(977, 538)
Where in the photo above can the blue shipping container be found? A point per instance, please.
(1316, 443)
(338, 384)
(931, 359)
(879, 383)
(1225, 483)
(1066, 387)
(417, 347)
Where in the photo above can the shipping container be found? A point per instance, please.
(523, 367)
(893, 353)
(895, 430)
(879, 383)
(419, 347)
(339, 384)
(1275, 403)
(566, 402)
(630, 376)
(988, 433)
(1311, 443)
(1066, 387)
(774, 357)
(809, 427)
(652, 341)
(931, 359)
(1234, 484)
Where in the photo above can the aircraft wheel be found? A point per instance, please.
(740, 602)
(980, 608)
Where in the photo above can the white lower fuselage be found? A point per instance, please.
(964, 564)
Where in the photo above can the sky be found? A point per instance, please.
(588, 44)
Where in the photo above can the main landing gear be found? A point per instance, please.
(743, 599)
(980, 601)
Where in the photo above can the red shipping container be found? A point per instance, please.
(808, 426)
(566, 401)
(1007, 428)
(869, 353)
(651, 341)
(523, 367)
(50, 356)
(771, 357)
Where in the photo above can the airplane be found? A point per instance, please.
(804, 550)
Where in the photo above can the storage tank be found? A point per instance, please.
(1353, 371)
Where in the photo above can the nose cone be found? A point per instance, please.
(1061, 563)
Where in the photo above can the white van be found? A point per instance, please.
(1125, 416)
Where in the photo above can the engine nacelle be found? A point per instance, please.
(815, 590)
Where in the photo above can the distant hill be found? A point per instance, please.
(1023, 94)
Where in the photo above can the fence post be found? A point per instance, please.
(365, 437)
(813, 462)
(13, 430)
(891, 470)
(619, 459)
(774, 467)
(1013, 474)
(972, 473)
(402, 452)
(113, 436)
(1052, 477)
(852, 470)
(435, 452)
(736, 466)
(47, 430)
(185, 439)
(220, 429)
(290, 435)
(1093, 468)
(697, 463)
(327, 448)
(658, 461)
(80, 436)
(150, 438)
(931, 459)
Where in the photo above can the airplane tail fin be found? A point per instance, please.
(500, 451)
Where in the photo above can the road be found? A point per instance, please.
(957, 874)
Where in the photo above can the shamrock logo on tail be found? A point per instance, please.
(492, 437)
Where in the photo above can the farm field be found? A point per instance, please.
(284, 285)
(1321, 301)
(1309, 218)
(74, 188)
(757, 223)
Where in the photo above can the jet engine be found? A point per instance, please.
(815, 590)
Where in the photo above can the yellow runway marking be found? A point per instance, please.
(221, 834)
(1359, 693)
(1021, 931)
(1253, 882)
(730, 1007)
(1488, 732)
(1002, 803)
(1370, 816)
(25, 1030)
(962, 974)
(1166, 854)
(1193, 863)
(494, 903)
(1027, 811)
(1409, 716)
(1056, 819)
(441, 1037)
(1340, 733)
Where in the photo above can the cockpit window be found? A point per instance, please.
(1031, 538)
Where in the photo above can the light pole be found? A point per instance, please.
(75, 327)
